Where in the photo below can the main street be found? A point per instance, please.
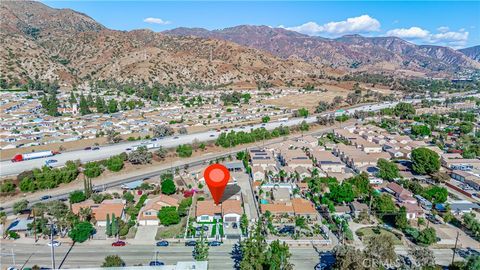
(91, 254)
(10, 168)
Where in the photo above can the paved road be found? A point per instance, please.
(92, 255)
(82, 255)
(10, 168)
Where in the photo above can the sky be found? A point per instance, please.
(447, 23)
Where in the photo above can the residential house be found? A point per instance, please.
(102, 210)
(207, 211)
(472, 178)
(304, 208)
(232, 211)
(149, 213)
(357, 207)
(402, 195)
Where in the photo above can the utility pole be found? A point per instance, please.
(455, 248)
(52, 247)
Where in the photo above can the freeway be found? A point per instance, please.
(92, 254)
(8, 168)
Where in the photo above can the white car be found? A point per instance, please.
(54, 243)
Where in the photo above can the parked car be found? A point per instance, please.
(204, 227)
(63, 199)
(54, 243)
(46, 197)
(212, 135)
(214, 243)
(128, 149)
(156, 263)
(118, 244)
(191, 243)
(48, 161)
(162, 244)
(176, 137)
(96, 148)
(87, 148)
(235, 226)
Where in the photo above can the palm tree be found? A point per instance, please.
(85, 213)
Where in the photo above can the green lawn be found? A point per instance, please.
(369, 231)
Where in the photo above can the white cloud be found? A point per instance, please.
(444, 37)
(443, 29)
(156, 21)
(360, 24)
(409, 33)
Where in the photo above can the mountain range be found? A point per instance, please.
(44, 43)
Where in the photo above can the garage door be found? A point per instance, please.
(230, 219)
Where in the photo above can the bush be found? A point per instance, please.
(13, 235)
(168, 215)
(168, 187)
(184, 150)
(77, 196)
(7, 186)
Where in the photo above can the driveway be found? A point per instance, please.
(145, 234)
(249, 206)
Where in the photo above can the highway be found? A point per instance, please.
(8, 168)
(92, 254)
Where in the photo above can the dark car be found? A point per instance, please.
(176, 137)
(190, 243)
(214, 243)
(128, 149)
(204, 227)
(63, 199)
(162, 244)
(96, 148)
(287, 229)
(46, 197)
(235, 226)
(118, 244)
(156, 263)
(87, 148)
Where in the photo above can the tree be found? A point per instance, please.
(128, 196)
(7, 186)
(140, 156)
(182, 130)
(108, 228)
(473, 263)
(84, 108)
(423, 256)
(304, 126)
(244, 224)
(427, 236)
(200, 251)
(168, 215)
(161, 153)
(302, 112)
(100, 105)
(436, 194)
(77, 196)
(113, 136)
(465, 127)
(114, 225)
(347, 257)
(425, 161)
(113, 261)
(92, 169)
(322, 106)
(381, 249)
(384, 205)
(278, 255)
(20, 206)
(401, 221)
(81, 231)
(168, 187)
(387, 170)
(421, 130)
(440, 177)
(404, 110)
(183, 206)
(341, 193)
(266, 119)
(115, 163)
(184, 150)
(162, 131)
(112, 106)
(72, 100)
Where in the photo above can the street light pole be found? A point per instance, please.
(51, 246)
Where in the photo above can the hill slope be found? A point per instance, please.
(51, 44)
(472, 52)
(352, 52)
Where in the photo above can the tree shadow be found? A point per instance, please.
(230, 191)
(236, 256)
(66, 255)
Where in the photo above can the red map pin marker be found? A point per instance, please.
(216, 176)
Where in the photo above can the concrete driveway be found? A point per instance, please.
(145, 235)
